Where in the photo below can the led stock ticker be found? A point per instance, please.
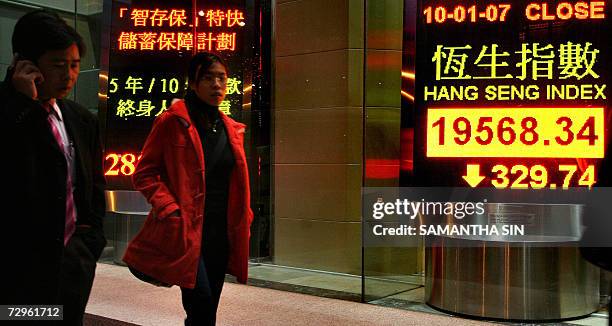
(512, 94)
(535, 176)
(516, 132)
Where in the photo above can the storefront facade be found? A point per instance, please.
(327, 89)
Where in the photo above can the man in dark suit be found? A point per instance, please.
(51, 165)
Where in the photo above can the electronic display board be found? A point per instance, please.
(511, 94)
(150, 44)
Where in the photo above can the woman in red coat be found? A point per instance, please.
(193, 171)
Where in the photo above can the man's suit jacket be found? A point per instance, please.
(32, 215)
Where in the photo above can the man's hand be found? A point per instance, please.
(25, 77)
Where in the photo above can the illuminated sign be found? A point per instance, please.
(518, 132)
(152, 39)
(460, 14)
(151, 43)
(121, 164)
(565, 10)
(498, 12)
(170, 87)
(535, 177)
(511, 94)
(167, 40)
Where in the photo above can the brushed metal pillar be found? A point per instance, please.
(129, 209)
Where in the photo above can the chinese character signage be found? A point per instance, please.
(511, 94)
(151, 43)
(221, 25)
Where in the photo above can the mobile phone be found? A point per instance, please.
(37, 80)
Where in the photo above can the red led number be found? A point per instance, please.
(507, 131)
(459, 14)
(536, 177)
(586, 132)
(121, 164)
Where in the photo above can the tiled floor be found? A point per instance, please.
(404, 292)
(349, 285)
(119, 299)
(591, 321)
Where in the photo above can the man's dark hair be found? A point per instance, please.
(42, 30)
(203, 60)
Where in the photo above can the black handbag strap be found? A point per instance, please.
(216, 155)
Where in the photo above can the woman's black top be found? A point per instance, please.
(207, 122)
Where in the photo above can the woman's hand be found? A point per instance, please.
(175, 214)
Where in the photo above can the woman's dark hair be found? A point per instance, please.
(203, 60)
(42, 30)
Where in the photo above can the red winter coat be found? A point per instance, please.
(171, 176)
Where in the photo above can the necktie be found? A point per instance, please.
(70, 221)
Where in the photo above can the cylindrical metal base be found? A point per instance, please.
(126, 227)
(129, 209)
(525, 282)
